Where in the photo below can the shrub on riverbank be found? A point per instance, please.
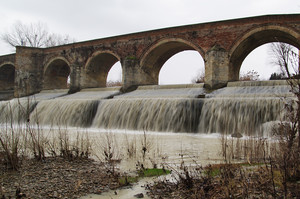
(226, 181)
(19, 143)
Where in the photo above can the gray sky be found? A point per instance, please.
(92, 19)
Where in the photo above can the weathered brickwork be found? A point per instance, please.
(223, 45)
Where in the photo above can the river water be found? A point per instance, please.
(163, 149)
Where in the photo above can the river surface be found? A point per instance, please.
(163, 149)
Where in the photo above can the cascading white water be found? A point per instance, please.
(242, 116)
(48, 94)
(64, 113)
(76, 110)
(166, 91)
(172, 115)
(239, 108)
(16, 110)
(244, 107)
(254, 89)
(94, 93)
(153, 108)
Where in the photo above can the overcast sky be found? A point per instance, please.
(93, 19)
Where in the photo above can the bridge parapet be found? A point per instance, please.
(7, 59)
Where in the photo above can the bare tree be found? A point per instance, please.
(286, 57)
(288, 157)
(33, 35)
(114, 83)
(277, 76)
(250, 75)
(199, 78)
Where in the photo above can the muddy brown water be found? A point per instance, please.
(163, 149)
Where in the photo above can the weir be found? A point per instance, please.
(241, 108)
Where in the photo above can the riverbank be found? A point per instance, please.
(57, 178)
(226, 181)
(61, 178)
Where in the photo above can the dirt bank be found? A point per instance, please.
(57, 178)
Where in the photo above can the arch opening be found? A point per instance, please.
(57, 75)
(253, 46)
(185, 67)
(97, 69)
(159, 56)
(7, 77)
(114, 76)
(261, 63)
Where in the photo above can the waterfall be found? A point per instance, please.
(76, 110)
(172, 115)
(16, 111)
(244, 107)
(240, 108)
(244, 116)
(64, 113)
(166, 91)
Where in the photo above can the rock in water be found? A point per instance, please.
(140, 195)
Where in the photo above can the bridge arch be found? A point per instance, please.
(255, 38)
(56, 73)
(7, 76)
(156, 55)
(97, 68)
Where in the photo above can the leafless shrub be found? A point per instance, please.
(251, 149)
(70, 148)
(251, 75)
(83, 145)
(200, 78)
(287, 155)
(131, 147)
(10, 147)
(114, 83)
(224, 143)
(108, 152)
(53, 144)
(218, 181)
(13, 139)
(38, 143)
(146, 144)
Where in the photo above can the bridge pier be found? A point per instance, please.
(216, 67)
(75, 78)
(134, 75)
(29, 77)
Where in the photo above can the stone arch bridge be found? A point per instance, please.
(223, 45)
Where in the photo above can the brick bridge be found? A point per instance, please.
(223, 45)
